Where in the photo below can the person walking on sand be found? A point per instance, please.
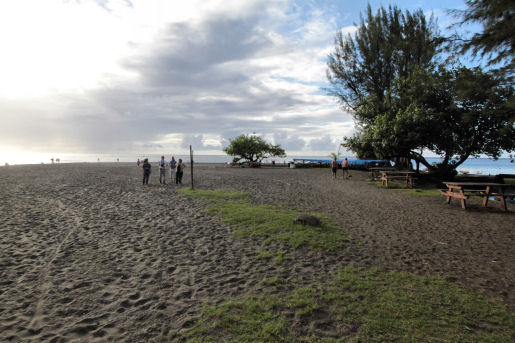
(173, 166)
(146, 171)
(334, 167)
(138, 163)
(162, 170)
(345, 168)
(179, 172)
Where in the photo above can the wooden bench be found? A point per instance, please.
(375, 172)
(482, 189)
(397, 175)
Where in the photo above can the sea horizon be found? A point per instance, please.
(481, 165)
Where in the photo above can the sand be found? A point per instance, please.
(88, 254)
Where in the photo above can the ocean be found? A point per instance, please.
(484, 166)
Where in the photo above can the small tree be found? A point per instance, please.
(252, 148)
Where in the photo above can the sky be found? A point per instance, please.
(155, 76)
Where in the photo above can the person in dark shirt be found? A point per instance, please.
(180, 169)
(146, 171)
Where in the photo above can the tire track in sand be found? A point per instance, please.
(45, 285)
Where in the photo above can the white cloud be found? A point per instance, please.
(163, 75)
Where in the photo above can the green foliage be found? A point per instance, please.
(335, 155)
(252, 148)
(363, 306)
(276, 225)
(387, 45)
(217, 193)
(496, 41)
(455, 113)
(272, 281)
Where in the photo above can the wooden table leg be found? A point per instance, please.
(487, 194)
(463, 203)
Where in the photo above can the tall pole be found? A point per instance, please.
(191, 166)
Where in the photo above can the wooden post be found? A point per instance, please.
(191, 166)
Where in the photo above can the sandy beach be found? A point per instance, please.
(89, 254)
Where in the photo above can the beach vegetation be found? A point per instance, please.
(266, 254)
(275, 224)
(421, 192)
(272, 281)
(280, 256)
(362, 305)
(406, 100)
(252, 149)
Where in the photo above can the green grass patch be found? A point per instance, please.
(265, 255)
(276, 225)
(271, 281)
(510, 181)
(421, 192)
(402, 187)
(361, 306)
(272, 223)
(216, 193)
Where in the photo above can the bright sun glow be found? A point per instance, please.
(54, 45)
(50, 46)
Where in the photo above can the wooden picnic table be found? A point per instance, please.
(375, 172)
(463, 190)
(389, 175)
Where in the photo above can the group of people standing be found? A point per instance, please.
(345, 168)
(176, 169)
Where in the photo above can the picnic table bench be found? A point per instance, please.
(405, 175)
(375, 172)
(464, 190)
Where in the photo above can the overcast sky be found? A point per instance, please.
(154, 76)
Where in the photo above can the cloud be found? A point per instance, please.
(201, 79)
(325, 143)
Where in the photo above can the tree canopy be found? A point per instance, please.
(405, 99)
(497, 40)
(387, 45)
(252, 148)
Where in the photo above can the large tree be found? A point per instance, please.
(404, 100)
(455, 113)
(252, 148)
(388, 47)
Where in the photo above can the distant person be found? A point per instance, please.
(334, 167)
(179, 172)
(147, 169)
(345, 168)
(173, 166)
(162, 170)
(138, 163)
